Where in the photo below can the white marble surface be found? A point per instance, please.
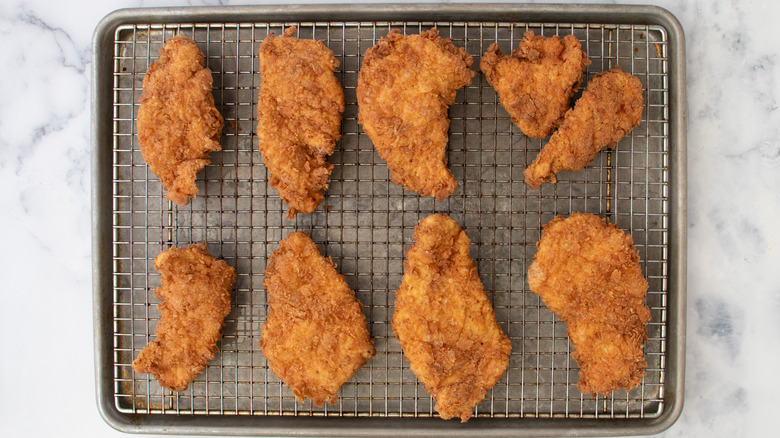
(46, 373)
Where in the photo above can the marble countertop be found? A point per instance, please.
(46, 364)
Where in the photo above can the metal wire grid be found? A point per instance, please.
(365, 224)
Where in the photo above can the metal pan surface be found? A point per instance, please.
(365, 224)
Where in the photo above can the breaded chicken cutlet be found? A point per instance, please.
(315, 336)
(610, 107)
(445, 322)
(194, 301)
(178, 124)
(299, 117)
(536, 82)
(405, 85)
(587, 272)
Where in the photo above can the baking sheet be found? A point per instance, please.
(365, 224)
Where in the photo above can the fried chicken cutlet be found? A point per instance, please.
(588, 273)
(535, 83)
(299, 117)
(405, 85)
(178, 124)
(445, 322)
(610, 107)
(194, 301)
(315, 335)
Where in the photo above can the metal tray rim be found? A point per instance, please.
(245, 425)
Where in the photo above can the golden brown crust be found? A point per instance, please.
(178, 124)
(315, 335)
(405, 85)
(536, 82)
(194, 301)
(299, 117)
(588, 273)
(610, 108)
(445, 322)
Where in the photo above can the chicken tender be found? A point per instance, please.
(299, 117)
(610, 107)
(535, 83)
(445, 322)
(194, 301)
(178, 124)
(405, 85)
(588, 273)
(315, 335)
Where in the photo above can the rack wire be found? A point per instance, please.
(366, 223)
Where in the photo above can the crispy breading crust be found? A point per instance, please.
(445, 322)
(315, 335)
(299, 117)
(194, 301)
(610, 107)
(587, 272)
(535, 83)
(178, 124)
(405, 85)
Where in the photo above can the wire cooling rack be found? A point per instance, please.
(365, 224)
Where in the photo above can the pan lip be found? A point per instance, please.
(102, 295)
